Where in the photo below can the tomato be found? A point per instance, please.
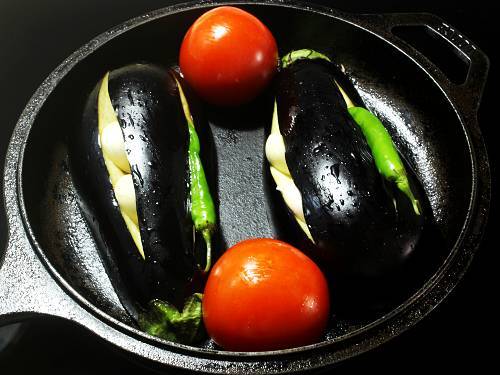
(264, 294)
(228, 56)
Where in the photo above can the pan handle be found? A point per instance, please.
(26, 287)
(467, 95)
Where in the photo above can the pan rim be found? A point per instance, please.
(463, 240)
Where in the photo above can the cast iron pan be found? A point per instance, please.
(51, 265)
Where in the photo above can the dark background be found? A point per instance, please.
(35, 36)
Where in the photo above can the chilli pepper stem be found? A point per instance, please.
(207, 236)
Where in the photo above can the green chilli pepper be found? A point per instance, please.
(384, 152)
(202, 204)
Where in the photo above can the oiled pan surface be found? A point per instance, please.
(422, 122)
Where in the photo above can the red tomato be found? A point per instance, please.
(264, 294)
(228, 56)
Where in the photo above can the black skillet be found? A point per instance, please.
(51, 266)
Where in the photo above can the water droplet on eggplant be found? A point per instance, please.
(335, 169)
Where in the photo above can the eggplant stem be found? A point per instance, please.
(300, 54)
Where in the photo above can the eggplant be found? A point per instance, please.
(130, 164)
(356, 223)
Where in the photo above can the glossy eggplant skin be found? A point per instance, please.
(358, 230)
(148, 108)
